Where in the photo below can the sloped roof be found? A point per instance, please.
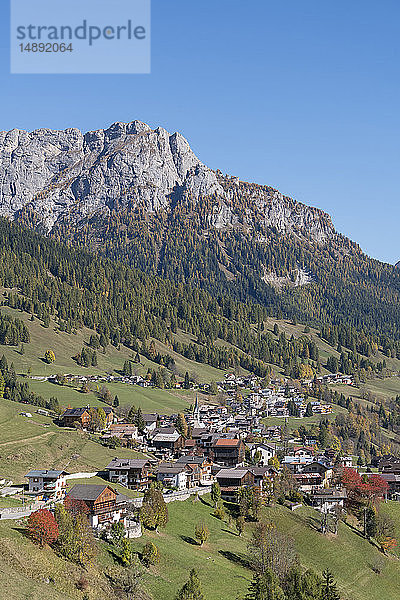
(82, 491)
(74, 412)
(45, 473)
(166, 437)
(227, 442)
(232, 473)
(127, 463)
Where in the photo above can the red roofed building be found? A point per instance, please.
(228, 452)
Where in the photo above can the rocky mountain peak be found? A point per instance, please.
(59, 175)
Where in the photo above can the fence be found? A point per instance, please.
(17, 512)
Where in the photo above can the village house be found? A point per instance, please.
(126, 433)
(391, 465)
(75, 415)
(130, 472)
(105, 506)
(173, 475)
(150, 421)
(231, 480)
(47, 482)
(307, 482)
(204, 465)
(296, 464)
(323, 469)
(229, 452)
(327, 500)
(168, 442)
(266, 451)
(393, 481)
(71, 416)
(263, 476)
(346, 461)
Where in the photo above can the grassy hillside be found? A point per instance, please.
(28, 572)
(295, 422)
(149, 399)
(221, 562)
(65, 346)
(37, 443)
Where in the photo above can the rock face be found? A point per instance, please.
(59, 175)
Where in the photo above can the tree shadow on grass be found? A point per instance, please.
(231, 532)
(189, 540)
(114, 555)
(355, 530)
(235, 558)
(314, 523)
(232, 508)
(205, 502)
(22, 531)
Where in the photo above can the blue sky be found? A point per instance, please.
(303, 96)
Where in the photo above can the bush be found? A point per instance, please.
(42, 527)
(201, 532)
(150, 554)
(219, 513)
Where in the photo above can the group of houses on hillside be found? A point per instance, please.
(228, 443)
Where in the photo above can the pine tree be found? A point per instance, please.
(192, 588)
(139, 421)
(370, 522)
(2, 385)
(265, 587)
(201, 532)
(132, 414)
(186, 383)
(329, 591)
(181, 425)
(215, 493)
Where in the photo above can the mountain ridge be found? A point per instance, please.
(60, 174)
(142, 197)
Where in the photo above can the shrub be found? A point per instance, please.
(42, 527)
(150, 554)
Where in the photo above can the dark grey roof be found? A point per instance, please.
(74, 412)
(164, 430)
(232, 473)
(260, 471)
(192, 460)
(170, 468)
(83, 491)
(77, 412)
(150, 417)
(329, 494)
(45, 473)
(122, 499)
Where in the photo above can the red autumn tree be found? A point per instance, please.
(362, 489)
(351, 479)
(42, 527)
(375, 487)
(76, 507)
